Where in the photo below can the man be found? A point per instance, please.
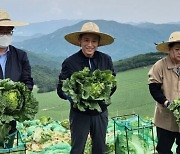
(164, 86)
(14, 63)
(89, 121)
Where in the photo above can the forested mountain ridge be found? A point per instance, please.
(46, 79)
(138, 61)
(130, 40)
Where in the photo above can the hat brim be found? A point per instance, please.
(164, 47)
(12, 23)
(73, 38)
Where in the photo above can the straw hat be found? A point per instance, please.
(164, 47)
(6, 21)
(91, 28)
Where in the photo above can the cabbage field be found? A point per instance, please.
(49, 132)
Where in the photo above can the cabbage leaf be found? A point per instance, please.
(175, 108)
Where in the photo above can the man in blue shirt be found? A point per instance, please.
(14, 63)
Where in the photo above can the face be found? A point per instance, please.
(175, 53)
(89, 44)
(5, 37)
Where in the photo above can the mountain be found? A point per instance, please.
(45, 60)
(34, 30)
(45, 27)
(130, 40)
(18, 38)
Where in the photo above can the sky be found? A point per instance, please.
(123, 11)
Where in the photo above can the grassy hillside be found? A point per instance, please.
(46, 77)
(132, 96)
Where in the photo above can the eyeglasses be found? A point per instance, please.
(6, 33)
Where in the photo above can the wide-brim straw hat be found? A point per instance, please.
(5, 20)
(164, 47)
(90, 28)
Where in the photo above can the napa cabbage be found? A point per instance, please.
(87, 88)
(175, 108)
(16, 103)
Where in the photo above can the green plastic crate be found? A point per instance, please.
(133, 134)
(19, 145)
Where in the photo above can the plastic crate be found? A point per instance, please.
(131, 129)
(19, 145)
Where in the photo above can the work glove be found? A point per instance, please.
(169, 103)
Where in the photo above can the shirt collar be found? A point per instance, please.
(82, 54)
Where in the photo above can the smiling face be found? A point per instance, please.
(89, 44)
(175, 52)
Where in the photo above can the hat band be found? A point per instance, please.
(4, 19)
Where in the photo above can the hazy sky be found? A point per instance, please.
(156, 11)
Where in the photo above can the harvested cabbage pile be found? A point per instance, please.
(45, 136)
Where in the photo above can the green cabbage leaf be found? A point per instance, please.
(175, 108)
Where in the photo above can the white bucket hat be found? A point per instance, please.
(91, 28)
(6, 21)
(164, 47)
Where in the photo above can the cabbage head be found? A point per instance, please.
(16, 103)
(87, 89)
(12, 99)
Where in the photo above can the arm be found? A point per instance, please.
(155, 82)
(157, 93)
(64, 74)
(26, 73)
(113, 72)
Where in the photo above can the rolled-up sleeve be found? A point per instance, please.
(155, 74)
(155, 82)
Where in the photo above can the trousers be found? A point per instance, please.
(82, 125)
(166, 140)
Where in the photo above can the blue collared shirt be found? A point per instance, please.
(3, 59)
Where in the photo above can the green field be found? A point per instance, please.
(131, 96)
